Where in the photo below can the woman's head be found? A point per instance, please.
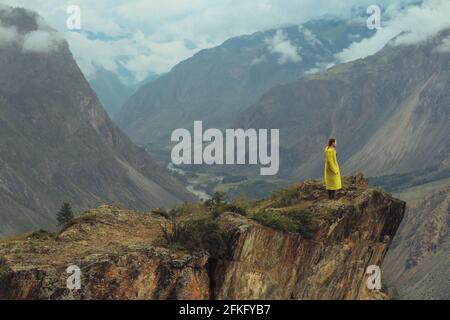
(332, 142)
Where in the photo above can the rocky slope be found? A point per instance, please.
(216, 84)
(389, 112)
(57, 143)
(122, 256)
(418, 263)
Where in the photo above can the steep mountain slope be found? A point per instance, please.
(390, 113)
(418, 263)
(122, 254)
(56, 141)
(216, 84)
(111, 92)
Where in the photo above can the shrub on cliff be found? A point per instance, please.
(236, 209)
(217, 199)
(294, 220)
(203, 234)
(219, 205)
(275, 219)
(306, 222)
(194, 235)
(240, 205)
(41, 235)
(171, 233)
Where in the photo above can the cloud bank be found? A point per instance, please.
(8, 35)
(41, 40)
(445, 46)
(411, 25)
(143, 36)
(282, 46)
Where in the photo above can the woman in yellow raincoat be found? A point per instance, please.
(332, 173)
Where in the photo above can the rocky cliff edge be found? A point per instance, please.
(127, 255)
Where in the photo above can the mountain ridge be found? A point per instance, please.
(359, 103)
(57, 143)
(215, 84)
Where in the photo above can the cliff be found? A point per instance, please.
(123, 254)
(418, 265)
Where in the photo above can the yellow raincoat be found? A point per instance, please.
(332, 174)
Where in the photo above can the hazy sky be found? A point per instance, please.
(145, 36)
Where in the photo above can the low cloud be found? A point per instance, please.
(136, 53)
(320, 67)
(169, 24)
(259, 60)
(8, 35)
(445, 46)
(310, 37)
(42, 40)
(407, 26)
(282, 46)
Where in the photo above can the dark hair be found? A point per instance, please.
(331, 141)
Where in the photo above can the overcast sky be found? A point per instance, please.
(153, 35)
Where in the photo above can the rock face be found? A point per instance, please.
(121, 255)
(57, 143)
(113, 248)
(267, 264)
(418, 263)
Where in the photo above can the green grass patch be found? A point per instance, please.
(299, 221)
(285, 197)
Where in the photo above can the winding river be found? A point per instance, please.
(193, 182)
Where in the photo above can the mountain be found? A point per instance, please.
(151, 77)
(417, 265)
(110, 90)
(216, 84)
(389, 112)
(248, 256)
(57, 143)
